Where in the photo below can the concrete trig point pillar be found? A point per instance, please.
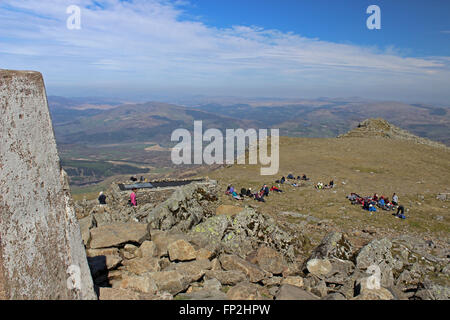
(40, 239)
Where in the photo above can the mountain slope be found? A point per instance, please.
(364, 165)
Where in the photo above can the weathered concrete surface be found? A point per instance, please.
(39, 233)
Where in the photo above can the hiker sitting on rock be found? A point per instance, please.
(265, 190)
(305, 178)
(230, 189)
(101, 198)
(249, 193)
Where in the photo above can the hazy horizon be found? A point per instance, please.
(161, 49)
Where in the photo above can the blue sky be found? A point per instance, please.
(248, 48)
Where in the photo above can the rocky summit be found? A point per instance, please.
(192, 241)
(188, 245)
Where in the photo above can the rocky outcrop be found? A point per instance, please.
(380, 128)
(245, 233)
(187, 207)
(239, 253)
(41, 251)
(116, 234)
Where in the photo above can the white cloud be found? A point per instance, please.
(147, 44)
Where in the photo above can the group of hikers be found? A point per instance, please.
(372, 202)
(135, 179)
(290, 176)
(132, 201)
(265, 190)
(321, 186)
(258, 196)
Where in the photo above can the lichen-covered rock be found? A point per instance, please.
(231, 277)
(320, 289)
(210, 290)
(252, 271)
(101, 214)
(147, 249)
(187, 206)
(162, 239)
(433, 291)
(245, 232)
(374, 294)
(333, 245)
(270, 260)
(334, 296)
(378, 252)
(203, 295)
(293, 280)
(118, 294)
(142, 265)
(245, 291)
(319, 267)
(228, 210)
(192, 270)
(181, 250)
(142, 283)
(340, 271)
(203, 253)
(171, 281)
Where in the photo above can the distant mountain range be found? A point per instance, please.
(99, 138)
(101, 121)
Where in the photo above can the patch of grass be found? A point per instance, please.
(402, 167)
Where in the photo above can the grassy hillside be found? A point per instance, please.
(417, 173)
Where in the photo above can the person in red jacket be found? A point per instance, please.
(275, 189)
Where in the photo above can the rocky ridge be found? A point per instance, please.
(188, 246)
(380, 128)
